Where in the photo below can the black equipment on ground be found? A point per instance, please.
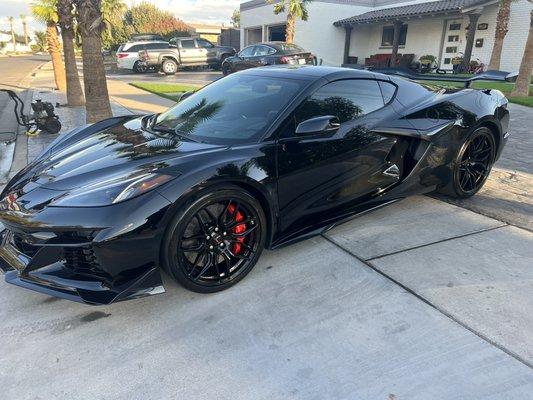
(41, 118)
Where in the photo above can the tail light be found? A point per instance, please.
(122, 55)
(284, 60)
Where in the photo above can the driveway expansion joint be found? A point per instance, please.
(368, 264)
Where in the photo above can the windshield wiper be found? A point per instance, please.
(173, 131)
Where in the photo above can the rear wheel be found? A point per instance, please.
(472, 164)
(216, 241)
(169, 67)
(139, 68)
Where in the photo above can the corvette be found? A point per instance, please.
(258, 159)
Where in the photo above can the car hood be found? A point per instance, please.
(91, 155)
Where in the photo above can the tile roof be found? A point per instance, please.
(435, 7)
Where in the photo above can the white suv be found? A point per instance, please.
(128, 54)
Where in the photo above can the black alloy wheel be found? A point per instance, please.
(139, 68)
(473, 164)
(216, 242)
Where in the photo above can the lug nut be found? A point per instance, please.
(210, 247)
(224, 234)
(221, 244)
(216, 229)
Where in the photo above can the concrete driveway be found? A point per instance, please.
(432, 307)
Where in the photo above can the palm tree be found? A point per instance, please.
(40, 40)
(46, 12)
(65, 11)
(502, 24)
(13, 40)
(295, 9)
(521, 87)
(91, 25)
(24, 28)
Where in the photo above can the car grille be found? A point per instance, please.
(25, 248)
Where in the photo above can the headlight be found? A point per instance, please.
(112, 191)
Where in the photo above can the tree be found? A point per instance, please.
(13, 39)
(65, 11)
(113, 14)
(502, 24)
(40, 41)
(46, 12)
(147, 18)
(521, 87)
(236, 18)
(91, 26)
(295, 9)
(24, 28)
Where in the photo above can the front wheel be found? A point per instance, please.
(226, 69)
(169, 67)
(215, 241)
(139, 68)
(472, 164)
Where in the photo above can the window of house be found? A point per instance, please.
(346, 99)
(452, 49)
(387, 36)
(455, 27)
(453, 38)
(447, 60)
(187, 44)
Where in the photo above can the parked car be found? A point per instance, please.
(128, 54)
(186, 52)
(259, 159)
(269, 53)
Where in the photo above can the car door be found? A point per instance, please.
(245, 57)
(208, 49)
(189, 53)
(321, 176)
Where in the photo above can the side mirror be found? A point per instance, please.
(185, 95)
(318, 125)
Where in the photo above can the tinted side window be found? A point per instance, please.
(346, 99)
(155, 46)
(263, 51)
(135, 49)
(187, 44)
(204, 43)
(247, 52)
(388, 90)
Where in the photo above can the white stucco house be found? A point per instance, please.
(350, 31)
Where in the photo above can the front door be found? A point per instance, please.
(190, 53)
(454, 43)
(321, 176)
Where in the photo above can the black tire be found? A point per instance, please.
(138, 68)
(169, 67)
(226, 69)
(471, 165)
(214, 240)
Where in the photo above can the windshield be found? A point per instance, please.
(238, 108)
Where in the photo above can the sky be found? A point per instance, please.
(206, 11)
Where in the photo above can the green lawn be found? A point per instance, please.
(505, 87)
(171, 91)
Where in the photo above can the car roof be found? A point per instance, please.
(130, 44)
(309, 72)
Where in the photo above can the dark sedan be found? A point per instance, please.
(269, 53)
(256, 160)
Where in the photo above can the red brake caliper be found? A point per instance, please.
(240, 228)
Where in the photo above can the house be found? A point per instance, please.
(352, 31)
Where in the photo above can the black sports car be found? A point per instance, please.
(268, 53)
(258, 159)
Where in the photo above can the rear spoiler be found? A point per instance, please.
(491, 75)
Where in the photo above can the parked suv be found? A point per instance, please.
(128, 54)
(185, 52)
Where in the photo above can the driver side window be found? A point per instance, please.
(247, 52)
(346, 99)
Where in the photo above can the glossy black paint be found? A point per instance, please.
(305, 182)
(248, 58)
